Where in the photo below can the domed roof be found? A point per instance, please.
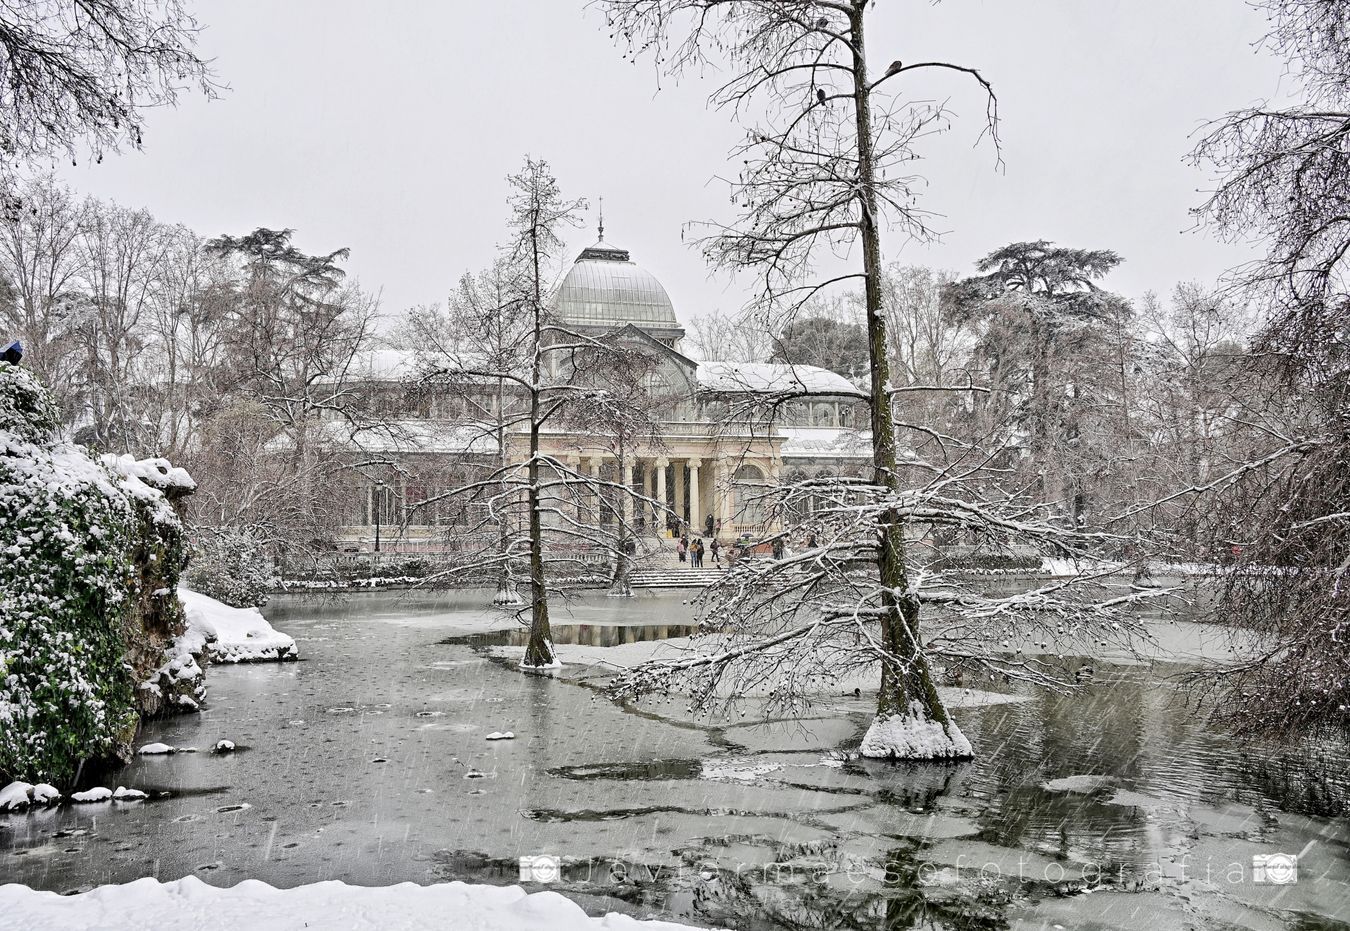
(604, 288)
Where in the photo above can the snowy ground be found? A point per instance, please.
(232, 635)
(191, 903)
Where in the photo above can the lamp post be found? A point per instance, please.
(379, 504)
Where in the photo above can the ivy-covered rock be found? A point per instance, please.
(167, 667)
(89, 558)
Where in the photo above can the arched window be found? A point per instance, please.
(748, 493)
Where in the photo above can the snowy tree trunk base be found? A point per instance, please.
(507, 597)
(914, 737)
(540, 657)
(541, 667)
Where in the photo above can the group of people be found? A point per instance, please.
(695, 551)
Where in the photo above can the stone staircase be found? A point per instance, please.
(660, 567)
(678, 576)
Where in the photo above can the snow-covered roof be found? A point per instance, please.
(406, 436)
(384, 365)
(402, 365)
(831, 442)
(772, 378)
(605, 288)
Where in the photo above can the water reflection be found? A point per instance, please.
(792, 833)
(591, 635)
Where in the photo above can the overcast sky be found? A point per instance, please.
(389, 128)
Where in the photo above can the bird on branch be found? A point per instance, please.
(895, 66)
(820, 96)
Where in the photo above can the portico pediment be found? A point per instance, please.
(676, 372)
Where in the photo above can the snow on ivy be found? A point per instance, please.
(70, 527)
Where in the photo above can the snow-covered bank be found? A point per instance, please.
(191, 903)
(232, 635)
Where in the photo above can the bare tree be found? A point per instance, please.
(504, 341)
(539, 212)
(123, 254)
(189, 328)
(293, 332)
(82, 73)
(1192, 404)
(737, 337)
(927, 346)
(41, 268)
(620, 409)
(825, 168)
(482, 328)
(1283, 528)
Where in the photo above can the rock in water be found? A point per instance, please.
(16, 796)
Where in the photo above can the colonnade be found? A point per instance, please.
(692, 488)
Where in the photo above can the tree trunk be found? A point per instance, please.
(619, 583)
(539, 650)
(911, 722)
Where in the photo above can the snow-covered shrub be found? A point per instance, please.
(81, 544)
(27, 411)
(230, 566)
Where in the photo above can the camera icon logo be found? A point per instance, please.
(1275, 869)
(540, 868)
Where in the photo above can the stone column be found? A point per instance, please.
(721, 503)
(594, 494)
(626, 500)
(679, 491)
(575, 491)
(695, 511)
(648, 491)
(661, 465)
(728, 500)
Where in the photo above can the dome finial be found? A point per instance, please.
(602, 219)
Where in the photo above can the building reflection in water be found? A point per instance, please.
(601, 635)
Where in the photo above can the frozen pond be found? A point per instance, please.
(367, 762)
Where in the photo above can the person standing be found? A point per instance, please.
(717, 552)
(680, 549)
